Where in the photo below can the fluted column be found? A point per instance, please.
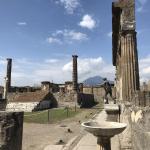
(129, 65)
(75, 73)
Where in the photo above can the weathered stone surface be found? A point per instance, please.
(98, 92)
(3, 104)
(8, 75)
(71, 99)
(11, 127)
(137, 134)
(125, 55)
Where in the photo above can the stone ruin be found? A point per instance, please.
(125, 56)
(133, 101)
(11, 123)
(11, 130)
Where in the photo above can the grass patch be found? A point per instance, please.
(49, 116)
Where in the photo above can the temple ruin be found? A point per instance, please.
(133, 100)
(125, 56)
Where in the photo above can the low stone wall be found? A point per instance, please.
(65, 99)
(28, 107)
(86, 100)
(70, 99)
(98, 92)
(11, 127)
(137, 134)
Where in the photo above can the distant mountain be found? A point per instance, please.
(96, 80)
(93, 81)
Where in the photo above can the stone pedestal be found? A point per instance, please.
(11, 128)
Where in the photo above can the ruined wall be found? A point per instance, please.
(64, 99)
(86, 100)
(137, 134)
(28, 106)
(71, 99)
(98, 92)
(11, 127)
(3, 104)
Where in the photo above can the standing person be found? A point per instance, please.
(108, 90)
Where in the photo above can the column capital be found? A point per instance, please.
(75, 56)
(128, 32)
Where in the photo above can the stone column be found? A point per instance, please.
(75, 74)
(129, 65)
(8, 74)
(11, 128)
(5, 88)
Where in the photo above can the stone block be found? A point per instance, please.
(11, 128)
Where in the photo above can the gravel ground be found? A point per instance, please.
(38, 136)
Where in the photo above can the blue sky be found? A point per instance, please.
(42, 35)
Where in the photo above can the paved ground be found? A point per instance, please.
(87, 141)
(43, 136)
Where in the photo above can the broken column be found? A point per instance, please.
(11, 129)
(7, 79)
(125, 55)
(75, 74)
(8, 75)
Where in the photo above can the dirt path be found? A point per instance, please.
(38, 136)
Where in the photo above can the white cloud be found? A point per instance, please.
(87, 22)
(140, 9)
(2, 61)
(89, 67)
(67, 36)
(33, 72)
(143, 1)
(144, 65)
(75, 35)
(21, 23)
(53, 40)
(141, 5)
(69, 5)
(27, 72)
(51, 60)
(109, 34)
